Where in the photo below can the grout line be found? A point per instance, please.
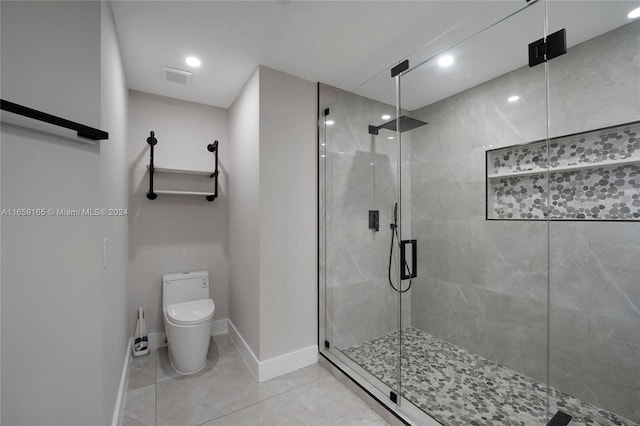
(263, 400)
(243, 361)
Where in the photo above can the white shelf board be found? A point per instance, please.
(157, 169)
(568, 168)
(160, 191)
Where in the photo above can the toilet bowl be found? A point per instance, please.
(187, 312)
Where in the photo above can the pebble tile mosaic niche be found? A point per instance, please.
(592, 176)
(460, 388)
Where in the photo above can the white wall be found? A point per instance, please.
(54, 47)
(176, 233)
(50, 265)
(64, 329)
(115, 195)
(244, 213)
(288, 213)
(273, 214)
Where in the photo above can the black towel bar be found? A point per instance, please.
(82, 130)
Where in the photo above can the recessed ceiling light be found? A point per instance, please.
(386, 117)
(635, 13)
(192, 61)
(391, 137)
(329, 122)
(445, 61)
(513, 98)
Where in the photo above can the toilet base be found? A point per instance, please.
(188, 345)
(182, 373)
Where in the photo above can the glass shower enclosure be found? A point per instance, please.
(479, 221)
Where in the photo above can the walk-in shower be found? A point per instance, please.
(516, 300)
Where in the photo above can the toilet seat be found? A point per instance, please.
(190, 313)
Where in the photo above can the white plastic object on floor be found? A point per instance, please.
(141, 338)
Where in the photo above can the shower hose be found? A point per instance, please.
(394, 235)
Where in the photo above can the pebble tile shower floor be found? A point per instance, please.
(460, 388)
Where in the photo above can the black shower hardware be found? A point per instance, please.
(152, 195)
(374, 220)
(406, 123)
(406, 272)
(82, 130)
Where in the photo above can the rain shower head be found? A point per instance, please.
(406, 123)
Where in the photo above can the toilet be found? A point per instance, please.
(188, 311)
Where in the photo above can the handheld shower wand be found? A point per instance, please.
(394, 235)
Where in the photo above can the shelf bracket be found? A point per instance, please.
(152, 141)
(213, 147)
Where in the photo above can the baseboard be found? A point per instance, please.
(276, 366)
(286, 363)
(247, 354)
(116, 420)
(220, 327)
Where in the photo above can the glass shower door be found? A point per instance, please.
(594, 288)
(474, 344)
(358, 201)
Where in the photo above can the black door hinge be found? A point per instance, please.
(393, 397)
(402, 66)
(546, 49)
(326, 111)
(326, 344)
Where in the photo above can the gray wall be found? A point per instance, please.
(176, 233)
(358, 174)
(63, 330)
(288, 245)
(115, 194)
(273, 213)
(244, 219)
(484, 285)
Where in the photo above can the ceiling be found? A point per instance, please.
(341, 43)
(496, 50)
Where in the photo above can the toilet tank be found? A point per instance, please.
(184, 287)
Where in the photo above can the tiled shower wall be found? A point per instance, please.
(483, 284)
(358, 174)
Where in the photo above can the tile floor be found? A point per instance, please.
(226, 393)
(460, 388)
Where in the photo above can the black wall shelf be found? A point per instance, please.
(153, 194)
(82, 130)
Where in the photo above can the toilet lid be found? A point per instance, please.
(189, 313)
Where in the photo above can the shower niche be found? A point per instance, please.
(593, 175)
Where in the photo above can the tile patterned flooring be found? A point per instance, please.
(226, 393)
(460, 388)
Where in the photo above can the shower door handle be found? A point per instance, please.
(406, 272)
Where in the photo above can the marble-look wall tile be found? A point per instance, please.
(454, 312)
(361, 312)
(515, 330)
(596, 358)
(516, 256)
(359, 172)
(452, 250)
(597, 83)
(594, 268)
